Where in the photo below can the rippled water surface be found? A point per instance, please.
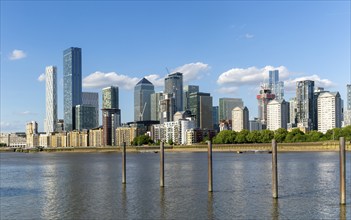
(89, 186)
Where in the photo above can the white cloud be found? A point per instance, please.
(251, 75)
(100, 80)
(226, 90)
(14, 126)
(17, 55)
(254, 76)
(249, 36)
(193, 71)
(290, 84)
(41, 78)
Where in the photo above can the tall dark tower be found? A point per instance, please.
(72, 85)
(174, 86)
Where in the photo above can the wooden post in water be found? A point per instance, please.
(210, 178)
(342, 171)
(124, 163)
(162, 165)
(274, 170)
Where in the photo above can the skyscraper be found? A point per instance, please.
(174, 86)
(276, 86)
(215, 118)
(92, 99)
(155, 106)
(72, 84)
(200, 105)
(240, 119)
(226, 106)
(347, 111)
(329, 111)
(263, 98)
(51, 99)
(305, 108)
(85, 116)
(166, 108)
(186, 92)
(142, 100)
(277, 114)
(111, 114)
(348, 86)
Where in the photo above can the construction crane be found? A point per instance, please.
(142, 112)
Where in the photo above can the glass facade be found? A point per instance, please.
(142, 100)
(72, 84)
(92, 99)
(226, 105)
(110, 97)
(85, 116)
(305, 104)
(200, 105)
(174, 86)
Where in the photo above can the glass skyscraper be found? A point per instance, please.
(92, 99)
(200, 105)
(72, 84)
(305, 105)
(51, 99)
(174, 86)
(226, 105)
(276, 86)
(142, 100)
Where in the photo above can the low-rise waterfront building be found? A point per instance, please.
(96, 137)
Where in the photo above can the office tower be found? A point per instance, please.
(347, 110)
(174, 86)
(51, 99)
(155, 106)
(240, 119)
(215, 118)
(167, 108)
(72, 84)
(200, 105)
(226, 106)
(277, 114)
(329, 111)
(111, 114)
(316, 93)
(348, 88)
(92, 99)
(85, 117)
(32, 137)
(186, 92)
(142, 100)
(263, 98)
(276, 86)
(255, 124)
(60, 125)
(305, 108)
(292, 112)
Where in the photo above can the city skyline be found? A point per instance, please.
(228, 55)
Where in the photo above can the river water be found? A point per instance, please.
(89, 186)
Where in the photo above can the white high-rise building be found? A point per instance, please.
(329, 111)
(240, 119)
(277, 114)
(51, 99)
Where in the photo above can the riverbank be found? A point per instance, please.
(282, 147)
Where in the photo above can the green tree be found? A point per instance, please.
(141, 140)
(280, 135)
(170, 142)
(346, 132)
(254, 137)
(225, 137)
(241, 136)
(314, 136)
(296, 135)
(267, 136)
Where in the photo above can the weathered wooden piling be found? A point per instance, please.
(210, 177)
(342, 156)
(162, 165)
(274, 170)
(124, 163)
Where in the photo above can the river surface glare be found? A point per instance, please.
(89, 186)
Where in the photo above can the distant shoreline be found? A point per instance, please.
(282, 147)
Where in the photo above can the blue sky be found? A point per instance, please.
(225, 47)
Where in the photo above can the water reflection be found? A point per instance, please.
(275, 209)
(210, 214)
(342, 212)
